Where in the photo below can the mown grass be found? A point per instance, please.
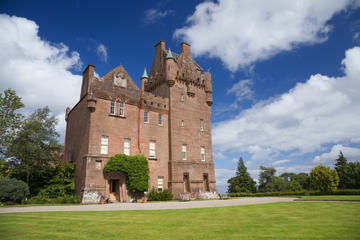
(294, 220)
(330, 198)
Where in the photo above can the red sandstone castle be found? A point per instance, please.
(167, 120)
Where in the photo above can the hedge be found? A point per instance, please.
(297, 193)
(164, 195)
(135, 168)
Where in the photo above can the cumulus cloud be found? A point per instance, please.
(102, 52)
(278, 162)
(222, 175)
(328, 158)
(153, 15)
(243, 32)
(38, 70)
(319, 112)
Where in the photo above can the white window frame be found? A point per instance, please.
(146, 117)
(127, 146)
(160, 119)
(104, 145)
(181, 97)
(201, 124)
(123, 82)
(112, 107)
(183, 152)
(122, 109)
(182, 123)
(203, 154)
(160, 184)
(152, 150)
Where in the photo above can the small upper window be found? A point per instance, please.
(181, 97)
(183, 150)
(160, 120)
(112, 107)
(122, 109)
(201, 125)
(202, 154)
(123, 82)
(146, 117)
(98, 164)
(182, 123)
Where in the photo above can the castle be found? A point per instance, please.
(167, 120)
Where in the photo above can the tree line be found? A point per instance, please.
(30, 154)
(346, 175)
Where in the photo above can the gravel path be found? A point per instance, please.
(148, 206)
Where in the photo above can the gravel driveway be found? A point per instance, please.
(148, 206)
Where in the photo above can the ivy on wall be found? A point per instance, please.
(135, 168)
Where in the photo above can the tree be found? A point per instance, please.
(349, 172)
(340, 166)
(10, 120)
(265, 177)
(33, 147)
(324, 179)
(242, 182)
(304, 180)
(13, 190)
(295, 186)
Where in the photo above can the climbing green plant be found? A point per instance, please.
(135, 168)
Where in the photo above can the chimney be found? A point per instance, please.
(159, 47)
(185, 49)
(88, 74)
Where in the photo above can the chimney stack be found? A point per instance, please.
(185, 49)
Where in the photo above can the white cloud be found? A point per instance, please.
(243, 32)
(153, 15)
(222, 176)
(242, 90)
(38, 70)
(351, 154)
(323, 110)
(102, 52)
(278, 162)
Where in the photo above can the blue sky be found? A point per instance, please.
(285, 75)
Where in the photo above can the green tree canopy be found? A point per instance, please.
(349, 172)
(33, 146)
(242, 182)
(324, 179)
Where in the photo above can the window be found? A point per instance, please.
(152, 149)
(181, 97)
(183, 150)
(186, 182)
(123, 82)
(98, 164)
(206, 182)
(201, 125)
(122, 109)
(104, 144)
(160, 120)
(146, 117)
(182, 123)
(112, 107)
(160, 184)
(127, 146)
(202, 151)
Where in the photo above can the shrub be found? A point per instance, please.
(135, 168)
(13, 190)
(165, 195)
(324, 179)
(40, 199)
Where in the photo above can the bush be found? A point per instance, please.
(13, 190)
(165, 195)
(136, 170)
(40, 199)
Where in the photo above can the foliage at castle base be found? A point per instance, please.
(324, 179)
(164, 195)
(29, 151)
(13, 190)
(135, 168)
(349, 173)
(242, 182)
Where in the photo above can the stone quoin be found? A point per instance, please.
(167, 120)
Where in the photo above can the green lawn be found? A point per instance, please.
(331, 198)
(294, 220)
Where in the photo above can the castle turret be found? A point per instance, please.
(144, 78)
(170, 69)
(208, 88)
